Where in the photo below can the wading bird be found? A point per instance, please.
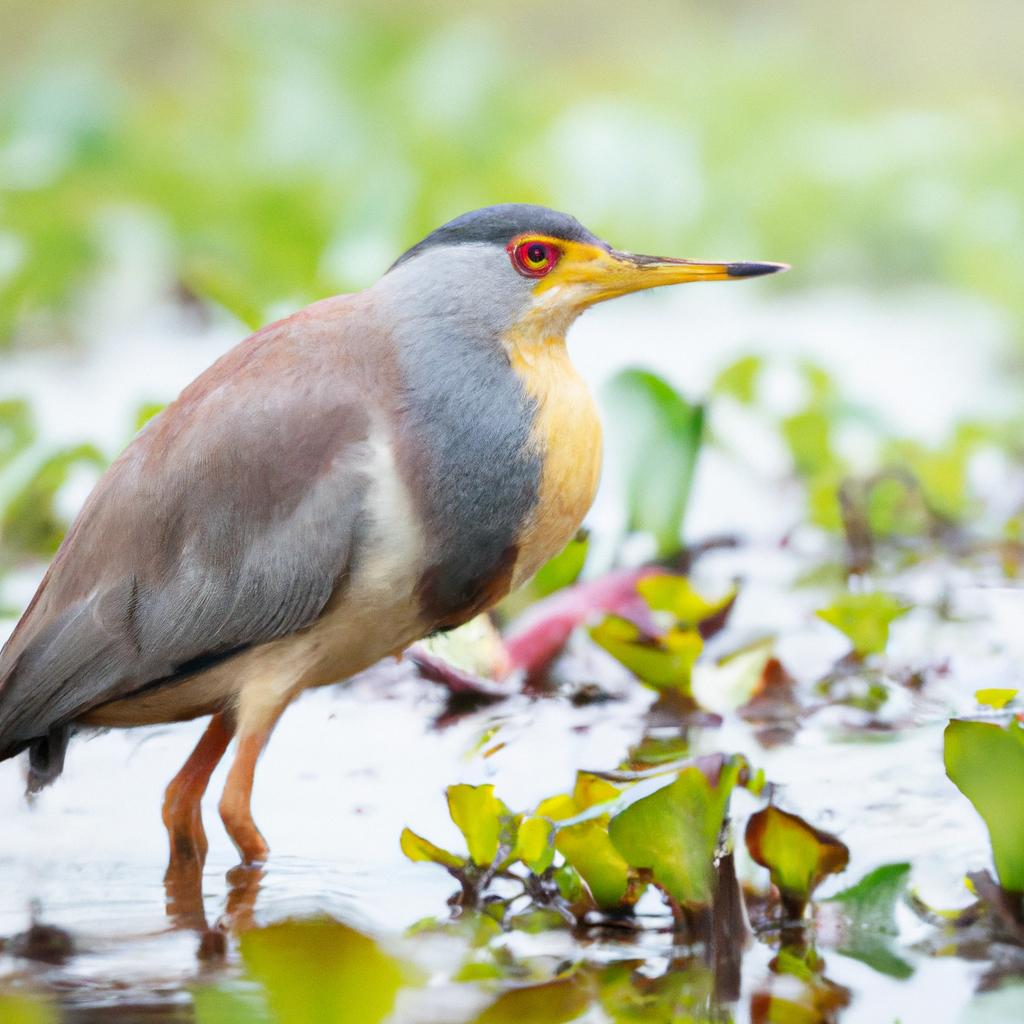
(372, 469)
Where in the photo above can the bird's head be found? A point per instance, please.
(531, 271)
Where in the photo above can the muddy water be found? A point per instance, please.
(349, 767)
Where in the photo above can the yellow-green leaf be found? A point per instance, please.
(481, 817)
(675, 830)
(416, 848)
(320, 971)
(664, 662)
(986, 763)
(864, 619)
(675, 594)
(535, 844)
(798, 855)
(994, 697)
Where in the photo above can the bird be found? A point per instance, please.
(378, 467)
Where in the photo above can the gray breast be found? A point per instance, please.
(464, 429)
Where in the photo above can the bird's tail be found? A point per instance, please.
(45, 753)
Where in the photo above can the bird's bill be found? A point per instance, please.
(607, 274)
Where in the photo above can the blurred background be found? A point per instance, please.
(175, 173)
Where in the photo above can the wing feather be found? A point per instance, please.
(228, 522)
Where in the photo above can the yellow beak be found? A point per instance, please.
(608, 273)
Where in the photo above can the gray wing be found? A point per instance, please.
(229, 521)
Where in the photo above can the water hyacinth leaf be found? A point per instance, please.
(986, 763)
(994, 697)
(869, 909)
(732, 682)
(18, 1009)
(864, 619)
(797, 855)
(228, 1004)
(808, 436)
(665, 592)
(657, 442)
(355, 982)
(481, 817)
(552, 1002)
(17, 430)
(587, 847)
(564, 569)
(535, 844)
(740, 379)
(675, 831)
(591, 790)
(416, 848)
(664, 662)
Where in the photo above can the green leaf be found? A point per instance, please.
(993, 697)
(675, 831)
(869, 908)
(734, 681)
(17, 1009)
(320, 971)
(416, 848)
(552, 1002)
(657, 441)
(586, 846)
(482, 818)
(535, 844)
(664, 662)
(665, 592)
(986, 763)
(740, 379)
(864, 619)
(229, 1004)
(798, 855)
(808, 435)
(564, 569)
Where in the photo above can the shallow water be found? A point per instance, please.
(350, 766)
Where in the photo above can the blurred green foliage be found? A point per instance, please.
(266, 154)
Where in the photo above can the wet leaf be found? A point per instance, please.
(535, 844)
(864, 619)
(17, 1009)
(869, 908)
(229, 1004)
(684, 994)
(986, 763)
(587, 847)
(416, 848)
(994, 698)
(734, 681)
(664, 662)
(481, 817)
(665, 592)
(552, 1002)
(675, 831)
(798, 855)
(321, 972)
(658, 439)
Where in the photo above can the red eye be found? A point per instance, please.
(533, 257)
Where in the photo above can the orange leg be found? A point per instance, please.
(235, 804)
(182, 813)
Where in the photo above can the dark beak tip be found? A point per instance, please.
(755, 269)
